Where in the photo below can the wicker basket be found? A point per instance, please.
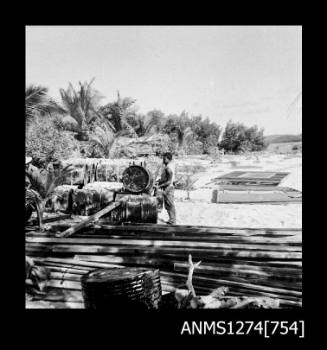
(132, 288)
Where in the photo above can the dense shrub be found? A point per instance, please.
(239, 138)
(45, 142)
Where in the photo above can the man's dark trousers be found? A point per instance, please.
(168, 196)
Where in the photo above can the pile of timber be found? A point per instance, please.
(255, 194)
(251, 178)
(251, 262)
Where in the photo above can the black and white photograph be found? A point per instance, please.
(163, 167)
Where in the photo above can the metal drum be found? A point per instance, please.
(132, 288)
(137, 179)
(135, 208)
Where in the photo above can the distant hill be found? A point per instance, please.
(282, 138)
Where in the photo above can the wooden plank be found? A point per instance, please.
(208, 268)
(284, 202)
(254, 276)
(200, 252)
(262, 270)
(242, 284)
(66, 276)
(127, 260)
(290, 240)
(76, 262)
(255, 239)
(70, 231)
(188, 229)
(162, 243)
(56, 218)
(172, 255)
(64, 284)
(63, 295)
(257, 188)
(66, 270)
(234, 291)
(49, 264)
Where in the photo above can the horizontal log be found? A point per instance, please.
(196, 252)
(279, 277)
(70, 231)
(189, 229)
(66, 276)
(256, 188)
(264, 271)
(256, 240)
(203, 291)
(74, 262)
(156, 262)
(50, 265)
(63, 295)
(292, 282)
(66, 270)
(270, 202)
(214, 281)
(294, 243)
(44, 304)
(289, 241)
(150, 253)
(64, 284)
(289, 283)
(56, 218)
(225, 282)
(154, 243)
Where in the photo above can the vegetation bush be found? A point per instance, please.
(238, 138)
(81, 126)
(45, 142)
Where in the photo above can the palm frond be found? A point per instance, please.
(57, 180)
(37, 102)
(37, 182)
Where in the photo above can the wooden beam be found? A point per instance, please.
(162, 243)
(88, 220)
(188, 229)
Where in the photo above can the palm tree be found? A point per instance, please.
(149, 124)
(82, 106)
(108, 141)
(180, 127)
(38, 103)
(117, 114)
(184, 134)
(44, 184)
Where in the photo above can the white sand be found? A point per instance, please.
(200, 211)
(237, 215)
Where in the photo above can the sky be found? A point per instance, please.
(248, 74)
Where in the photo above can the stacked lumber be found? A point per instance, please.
(233, 194)
(251, 262)
(251, 178)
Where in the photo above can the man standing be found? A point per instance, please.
(166, 183)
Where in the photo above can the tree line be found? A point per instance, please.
(80, 124)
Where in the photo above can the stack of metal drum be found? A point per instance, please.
(137, 202)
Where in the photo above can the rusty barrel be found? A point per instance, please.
(137, 179)
(134, 208)
(130, 287)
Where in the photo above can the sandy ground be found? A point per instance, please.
(200, 211)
